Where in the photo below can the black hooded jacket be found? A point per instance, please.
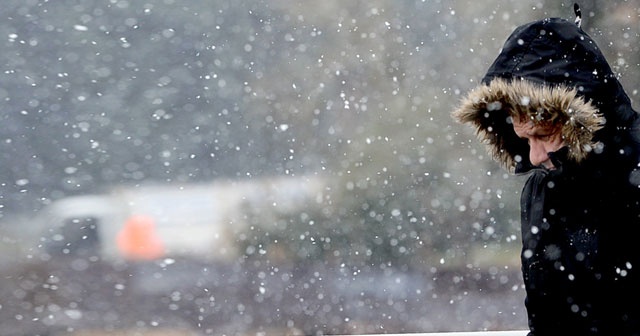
(580, 261)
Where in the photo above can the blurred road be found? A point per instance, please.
(68, 295)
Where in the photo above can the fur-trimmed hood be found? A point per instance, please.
(491, 108)
(548, 71)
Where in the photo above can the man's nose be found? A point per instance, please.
(537, 153)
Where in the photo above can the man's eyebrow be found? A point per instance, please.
(541, 132)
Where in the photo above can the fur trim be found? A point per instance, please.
(491, 107)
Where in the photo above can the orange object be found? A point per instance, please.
(139, 240)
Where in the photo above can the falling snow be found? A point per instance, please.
(260, 168)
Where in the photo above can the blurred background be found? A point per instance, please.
(260, 167)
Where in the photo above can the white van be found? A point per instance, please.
(150, 222)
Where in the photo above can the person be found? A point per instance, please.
(551, 107)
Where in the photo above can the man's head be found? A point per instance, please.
(543, 138)
(551, 72)
(541, 109)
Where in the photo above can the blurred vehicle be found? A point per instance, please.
(151, 222)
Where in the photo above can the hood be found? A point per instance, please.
(490, 109)
(550, 71)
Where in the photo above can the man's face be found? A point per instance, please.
(542, 138)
